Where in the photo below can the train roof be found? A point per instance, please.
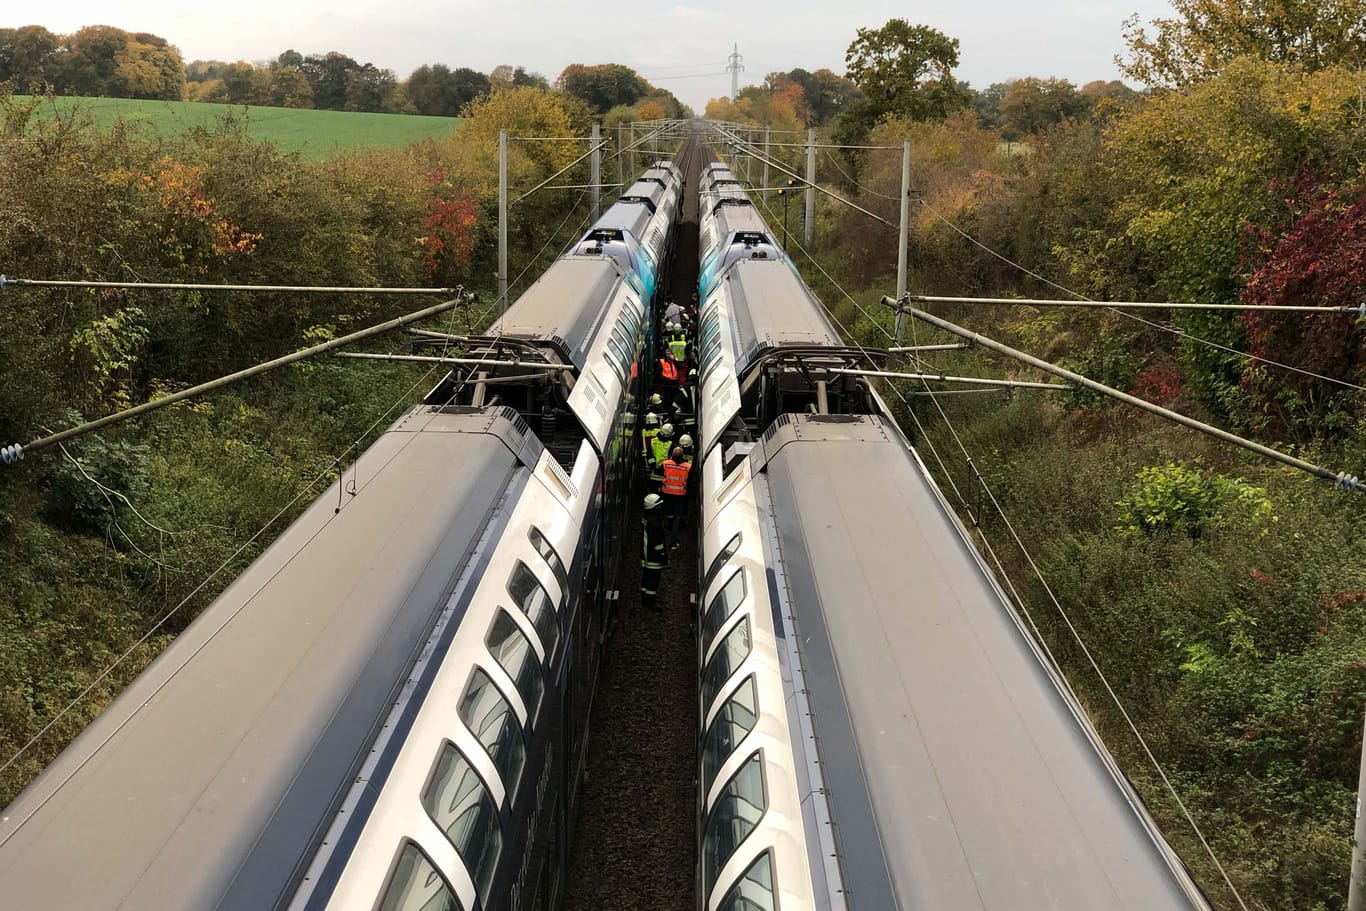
(645, 189)
(629, 216)
(564, 306)
(207, 783)
(770, 307)
(732, 218)
(961, 772)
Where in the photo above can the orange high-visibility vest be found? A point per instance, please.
(668, 370)
(675, 478)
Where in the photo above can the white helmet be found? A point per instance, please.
(667, 431)
(677, 327)
(651, 419)
(685, 441)
(652, 501)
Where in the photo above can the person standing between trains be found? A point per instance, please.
(685, 409)
(678, 342)
(670, 376)
(659, 454)
(675, 491)
(654, 556)
(672, 313)
(647, 438)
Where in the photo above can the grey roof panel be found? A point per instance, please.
(985, 791)
(772, 308)
(226, 755)
(629, 216)
(566, 302)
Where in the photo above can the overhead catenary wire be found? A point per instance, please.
(1135, 317)
(652, 134)
(310, 485)
(190, 286)
(1133, 305)
(779, 165)
(16, 452)
(1115, 307)
(1342, 479)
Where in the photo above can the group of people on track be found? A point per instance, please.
(667, 443)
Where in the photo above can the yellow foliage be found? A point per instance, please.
(650, 110)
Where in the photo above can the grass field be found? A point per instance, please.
(315, 134)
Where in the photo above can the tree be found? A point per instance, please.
(240, 84)
(289, 87)
(28, 56)
(369, 88)
(986, 104)
(602, 87)
(328, 76)
(1207, 34)
(438, 90)
(906, 70)
(1031, 104)
(87, 64)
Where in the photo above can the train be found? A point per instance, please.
(389, 707)
(877, 727)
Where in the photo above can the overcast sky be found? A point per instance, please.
(999, 39)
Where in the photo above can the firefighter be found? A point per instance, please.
(675, 492)
(685, 408)
(660, 447)
(678, 343)
(647, 438)
(654, 556)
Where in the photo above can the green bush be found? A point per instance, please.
(1175, 498)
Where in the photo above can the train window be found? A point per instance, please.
(547, 551)
(512, 650)
(726, 659)
(629, 321)
(620, 362)
(720, 560)
(487, 713)
(526, 590)
(459, 803)
(723, 605)
(736, 814)
(415, 885)
(732, 723)
(754, 890)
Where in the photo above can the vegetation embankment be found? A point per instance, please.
(105, 541)
(1218, 593)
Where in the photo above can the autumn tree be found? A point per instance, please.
(1206, 35)
(505, 76)
(1031, 104)
(100, 60)
(824, 94)
(1320, 261)
(603, 87)
(28, 55)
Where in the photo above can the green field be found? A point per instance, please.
(315, 134)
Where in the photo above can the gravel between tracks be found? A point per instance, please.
(635, 846)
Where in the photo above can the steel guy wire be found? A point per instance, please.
(1181, 333)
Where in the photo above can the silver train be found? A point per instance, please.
(388, 708)
(878, 729)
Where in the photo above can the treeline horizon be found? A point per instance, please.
(109, 62)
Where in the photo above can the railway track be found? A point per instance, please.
(635, 843)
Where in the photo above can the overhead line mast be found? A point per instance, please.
(734, 69)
